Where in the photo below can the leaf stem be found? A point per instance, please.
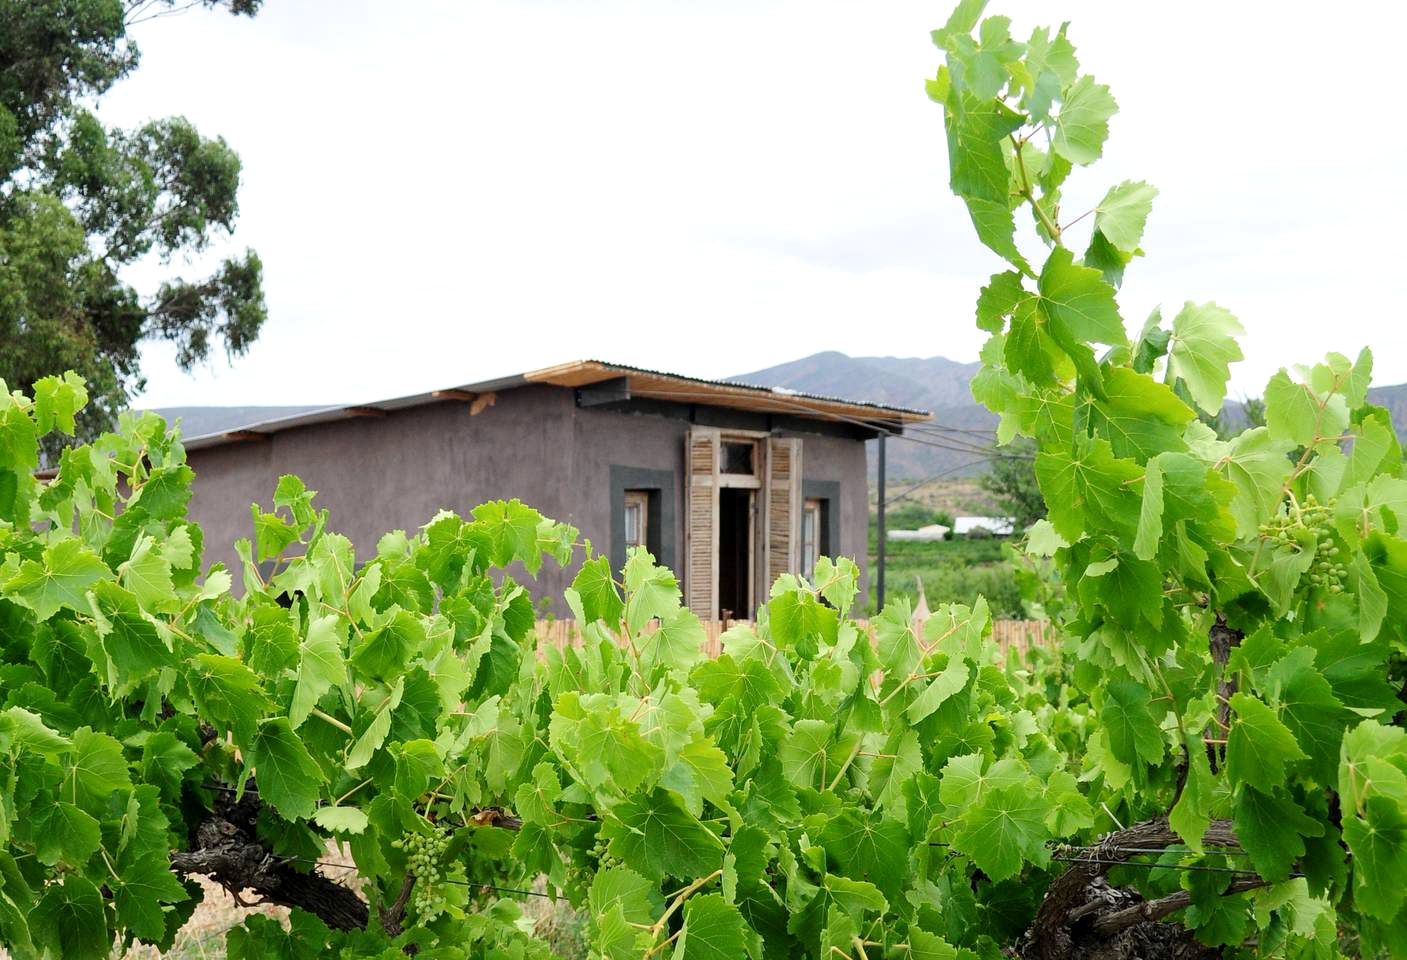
(326, 718)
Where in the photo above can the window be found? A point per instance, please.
(738, 457)
(810, 537)
(637, 518)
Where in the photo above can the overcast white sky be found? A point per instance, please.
(448, 191)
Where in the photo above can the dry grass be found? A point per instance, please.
(203, 936)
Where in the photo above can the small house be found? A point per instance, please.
(927, 533)
(985, 526)
(730, 485)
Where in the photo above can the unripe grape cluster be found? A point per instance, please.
(425, 855)
(600, 852)
(1328, 571)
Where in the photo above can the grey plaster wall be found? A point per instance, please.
(376, 474)
(842, 461)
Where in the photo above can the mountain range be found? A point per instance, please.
(952, 443)
(940, 386)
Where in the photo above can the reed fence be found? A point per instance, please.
(1018, 634)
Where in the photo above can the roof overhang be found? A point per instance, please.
(617, 382)
(655, 385)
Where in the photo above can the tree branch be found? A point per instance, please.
(1152, 910)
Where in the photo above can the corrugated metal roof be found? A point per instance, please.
(654, 384)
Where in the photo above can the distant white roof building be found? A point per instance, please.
(934, 531)
(999, 526)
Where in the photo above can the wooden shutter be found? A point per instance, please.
(701, 528)
(783, 493)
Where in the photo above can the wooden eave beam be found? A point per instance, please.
(463, 395)
(245, 435)
(364, 411)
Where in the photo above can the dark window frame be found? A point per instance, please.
(660, 534)
(828, 493)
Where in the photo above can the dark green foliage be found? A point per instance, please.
(79, 202)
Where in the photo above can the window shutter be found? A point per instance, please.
(783, 491)
(701, 535)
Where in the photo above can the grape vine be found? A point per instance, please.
(1209, 763)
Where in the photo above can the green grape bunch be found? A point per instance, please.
(425, 857)
(1310, 526)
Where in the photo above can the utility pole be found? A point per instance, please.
(879, 573)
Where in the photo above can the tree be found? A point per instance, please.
(1012, 481)
(81, 202)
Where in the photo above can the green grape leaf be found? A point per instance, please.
(139, 891)
(227, 692)
(376, 732)
(384, 653)
(1259, 745)
(129, 638)
(288, 776)
(1310, 710)
(1192, 814)
(713, 930)
(1083, 123)
(272, 533)
(701, 773)
(600, 599)
(1270, 828)
(165, 760)
(57, 400)
(1203, 348)
(28, 731)
(1070, 810)
(320, 667)
(658, 836)
(798, 620)
(1258, 464)
(1132, 728)
(166, 492)
(1078, 301)
(949, 681)
(505, 531)
(1150, 515)
(1090, 489)
(1123, 213)
(1378, 842)
(996, 228)
(1294, 413)
(97, 768)
(1141, 417)
(344, 820)
(1003, 830)
(271, 642)
(71, 921)
(975, 137)
(677, 643)
(809, 753)
(62, 579)
(64, 832)
(869, 847)
(148, 575)
(998, 299)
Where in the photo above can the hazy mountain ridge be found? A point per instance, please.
(936, 384)
(941, 386)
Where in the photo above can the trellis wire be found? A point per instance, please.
(462, 883)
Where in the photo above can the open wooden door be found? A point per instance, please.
(701, 526)
(783, 493)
